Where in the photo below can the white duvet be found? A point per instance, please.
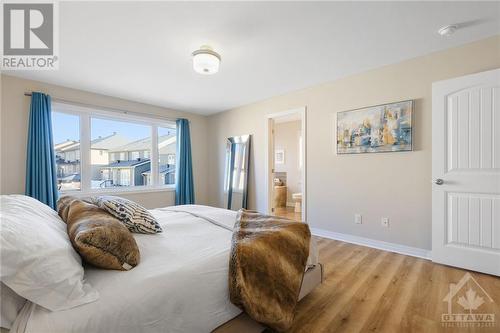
(180, 285)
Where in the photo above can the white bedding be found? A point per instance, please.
(180, 284)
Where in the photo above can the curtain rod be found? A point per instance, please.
(105, 108)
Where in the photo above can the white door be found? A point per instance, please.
(466, 172)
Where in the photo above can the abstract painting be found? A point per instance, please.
(375, 129)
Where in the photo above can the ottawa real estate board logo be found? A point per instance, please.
(468, 305)
(30, 33)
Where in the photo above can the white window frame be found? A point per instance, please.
(85, 115)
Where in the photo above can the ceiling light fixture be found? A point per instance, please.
(206, 61)
(448, 30)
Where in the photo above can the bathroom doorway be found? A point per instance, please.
(286, 167)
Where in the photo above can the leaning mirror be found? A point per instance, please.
(236, 176)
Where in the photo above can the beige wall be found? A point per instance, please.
(286, 137)
(394, 185)
(14, 122)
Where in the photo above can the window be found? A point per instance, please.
(239, 168)
(171, 159)
(105, 150)
(123, 178)
(135, 155)
(167, 147)
(66, 130)
(128, 140)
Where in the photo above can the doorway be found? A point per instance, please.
(286, 164)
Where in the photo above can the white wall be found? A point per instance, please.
(14, 126)
(286, 137)
(394, 185)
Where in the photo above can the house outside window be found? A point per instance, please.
(66, 142)
(135, 155)
(124, 177)
(167, 149)
(115, 154)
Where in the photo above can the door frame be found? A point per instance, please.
(270, 156)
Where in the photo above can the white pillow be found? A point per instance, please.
(38, 260)
(10, 305)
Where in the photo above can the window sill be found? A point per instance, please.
(92, 192)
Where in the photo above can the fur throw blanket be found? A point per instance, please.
(100, 238)
(267, 264)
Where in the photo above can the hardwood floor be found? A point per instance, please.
(369, 290)
(288, 212)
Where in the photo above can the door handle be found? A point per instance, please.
(438, 181)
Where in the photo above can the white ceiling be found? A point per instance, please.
(141, 51)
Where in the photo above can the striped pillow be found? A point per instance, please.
(135, 217)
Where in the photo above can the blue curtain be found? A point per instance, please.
(184, 186)
(41, 177)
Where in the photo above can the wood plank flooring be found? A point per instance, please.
(288, 212)
(369, 290)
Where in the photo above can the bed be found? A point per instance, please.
(179, 286)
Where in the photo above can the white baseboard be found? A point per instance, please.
(377, 244)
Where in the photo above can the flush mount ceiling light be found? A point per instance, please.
(206, 61)
(448, 30)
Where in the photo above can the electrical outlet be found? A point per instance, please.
(358, 219)
(385, 222)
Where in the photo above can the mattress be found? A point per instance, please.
(179, 286)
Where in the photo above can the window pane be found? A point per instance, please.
(166, 154)
(66, 135)
(119, 153)
(239, 168)
(228, 166)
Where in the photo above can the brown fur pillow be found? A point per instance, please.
(97, 236)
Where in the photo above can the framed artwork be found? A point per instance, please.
(376, 129)
(279, 156)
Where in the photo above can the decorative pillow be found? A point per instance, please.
(37, 259)
(134, 216)
(97, 236)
